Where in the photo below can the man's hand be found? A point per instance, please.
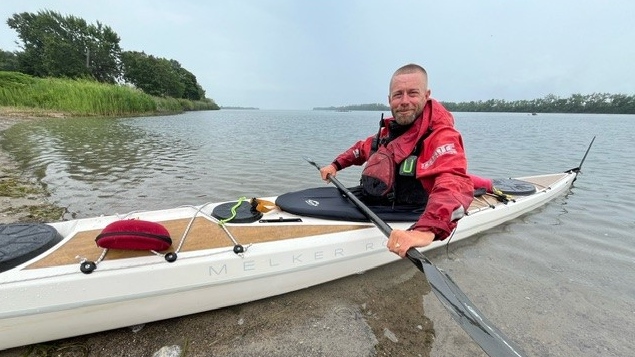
(328, 170)
(400, 241)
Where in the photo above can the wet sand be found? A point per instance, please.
(378, 313)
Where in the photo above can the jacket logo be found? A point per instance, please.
(446, 149)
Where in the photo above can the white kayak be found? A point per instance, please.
(71, 287)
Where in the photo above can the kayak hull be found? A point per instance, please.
(49, 297)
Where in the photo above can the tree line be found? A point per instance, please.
(53, 45)
(596, 103)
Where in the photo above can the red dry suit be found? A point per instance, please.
(441, 166)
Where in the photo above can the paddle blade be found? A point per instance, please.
(463, 311)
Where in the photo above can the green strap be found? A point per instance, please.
(233, 211)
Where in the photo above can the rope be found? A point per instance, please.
(233, 211)
(199, 210)
(189, 225)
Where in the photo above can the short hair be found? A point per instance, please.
(408, 69)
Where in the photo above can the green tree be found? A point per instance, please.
(192, 90)
(160, 76)
(66, 46)
(153, 75)
(8, 61)
(592, 103)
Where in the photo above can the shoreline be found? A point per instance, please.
(374, 313)
(21, 199)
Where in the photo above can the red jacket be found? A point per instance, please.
(441, 167)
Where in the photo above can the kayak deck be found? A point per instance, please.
(203, 234)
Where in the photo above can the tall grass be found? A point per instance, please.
(86, 97)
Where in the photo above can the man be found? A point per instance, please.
(427, 152)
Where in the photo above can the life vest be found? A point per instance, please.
(397, 185)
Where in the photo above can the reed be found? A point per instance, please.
(83, 97)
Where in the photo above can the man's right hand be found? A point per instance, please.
(326, 171)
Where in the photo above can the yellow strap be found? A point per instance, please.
(502, 197)
(263, 206)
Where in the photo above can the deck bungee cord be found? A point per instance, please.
(88, 266)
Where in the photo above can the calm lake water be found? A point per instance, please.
(559, 281)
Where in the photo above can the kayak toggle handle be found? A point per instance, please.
(238, 249)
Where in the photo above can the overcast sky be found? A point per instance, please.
(286, 54)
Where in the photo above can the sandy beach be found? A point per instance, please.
(378, 313)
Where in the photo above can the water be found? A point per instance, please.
(559, 281)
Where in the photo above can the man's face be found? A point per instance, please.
(408, 95)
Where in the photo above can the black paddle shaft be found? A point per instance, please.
(486, 335)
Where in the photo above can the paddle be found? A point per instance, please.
(490, 338)
(579, 168)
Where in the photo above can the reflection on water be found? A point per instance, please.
(99, 158)
(100, 166)
(559, 281)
